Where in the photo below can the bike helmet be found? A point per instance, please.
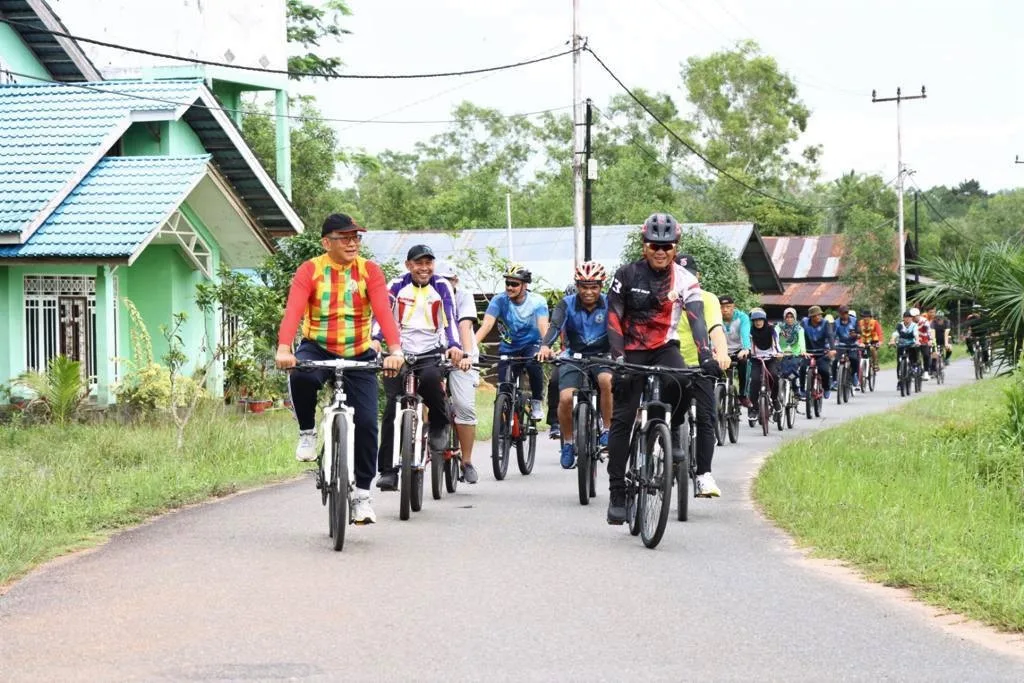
(570, 290)
(661, 228)
(915, 312)
(590, 271)
(517, 271)
(908, 314)
(758, 314)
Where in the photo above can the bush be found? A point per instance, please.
(148, 389)
(1013, 428)
(57, 393)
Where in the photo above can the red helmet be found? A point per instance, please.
(590, 271)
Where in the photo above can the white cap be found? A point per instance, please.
(445, 269)
(915, 312)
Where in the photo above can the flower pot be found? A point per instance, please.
(254, 406)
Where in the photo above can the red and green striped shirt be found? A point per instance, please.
(336, 305)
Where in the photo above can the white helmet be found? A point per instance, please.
(915, 312)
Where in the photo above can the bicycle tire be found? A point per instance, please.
(901, 376)
(581, 439)
(595, 449)
(526, 445)
(437, 462)
(917, 381)
(865, 370)
(733, 425)
(819, 395)
(764, 411)
(847, 386)
(339, 482)
(841, 384)
(979, 367)
(633, 499)
(657, 484)
(872, 378)
(809, 393)
(788, 405)
(406, 447)
(501, 438)
(682, 477)
(720, 416)
(329, 501)
(780, 414)
(452, 460)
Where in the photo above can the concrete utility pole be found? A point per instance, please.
(579, 144)
(1017, 160)
(899, 184)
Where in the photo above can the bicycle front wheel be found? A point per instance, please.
(407, 445)
(682, 475)
(581, 439)
(720, 414)
(501, 436)
(656, 484)
(809, 394)
(437, 463)
(841, 385)
(339, 493)
(526, 445)
(733, 417)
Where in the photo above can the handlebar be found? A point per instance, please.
(338, 364)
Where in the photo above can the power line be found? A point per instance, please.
(719, 171)
(286, 72)
(266, 114)
(941, 217)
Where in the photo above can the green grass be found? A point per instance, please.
(927, 497)
(69, 487)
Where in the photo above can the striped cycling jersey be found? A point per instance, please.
(425, 313)
(336, 305)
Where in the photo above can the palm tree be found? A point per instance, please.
(992, 276)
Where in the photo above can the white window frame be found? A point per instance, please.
(42, 292)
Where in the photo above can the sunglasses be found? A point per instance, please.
(660, 247)
(345, 239)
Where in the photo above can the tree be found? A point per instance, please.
(870, 259)
(720, 271)
(309, 24)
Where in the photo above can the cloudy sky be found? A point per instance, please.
(837, 50)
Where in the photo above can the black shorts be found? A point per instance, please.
(571, 376)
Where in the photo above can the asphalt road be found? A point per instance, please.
(508, 580)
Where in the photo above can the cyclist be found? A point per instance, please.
(847, 338)
(644, 304)
(462, 383)
(870, 333)
(333, 295)
(703, 388)
(791, 341)
(907, 338)
(764, 346)
(582, 319)
(943, 336)
(925, 334)
(975, 324)
(736, 325)
(522, 318)
(819, 339)
(423, 304)
(553, 395)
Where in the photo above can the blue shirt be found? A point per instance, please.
(517, 323)
(737, 332)
(847, 333)
(817, 338)
(586, 332)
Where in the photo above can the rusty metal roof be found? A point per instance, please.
(803, 294)
(817, 257)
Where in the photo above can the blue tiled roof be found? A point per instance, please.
(47, 133)
(114, 209)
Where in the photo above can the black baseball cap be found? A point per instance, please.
(689, 262)
(419, 251)
(339, 222)
(726, 299)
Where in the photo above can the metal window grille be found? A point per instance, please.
(42, 319)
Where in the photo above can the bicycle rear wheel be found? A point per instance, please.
(581, 439)
(339, 493)
(682, 476)
(526, 445)
(656, 484)
(406, 445)
(764, 415)
(501, 438)
(720, 414)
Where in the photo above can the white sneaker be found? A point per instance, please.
(306, 450)
(706, 486)
(362, 512)
(536, 410)
(925, 377)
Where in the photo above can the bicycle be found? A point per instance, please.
(844, 380)
(905, 373)
(586, 425)
(978, 357)
(868, 369)
(649, 467)
(335, 471)
(814, 390)
(765, 409)
(687, 470)
(940, 366)
(788, 397)
(447, 469)
(727, 406)
(512, 423)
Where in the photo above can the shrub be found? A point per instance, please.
(58, 392)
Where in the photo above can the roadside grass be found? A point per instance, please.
(67, 487)
(927, 497)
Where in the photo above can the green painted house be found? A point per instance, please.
(120, 189)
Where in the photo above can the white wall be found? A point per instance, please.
(244, 32)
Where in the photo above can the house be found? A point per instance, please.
(811, 269)
(548, 252)
(120, 189)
